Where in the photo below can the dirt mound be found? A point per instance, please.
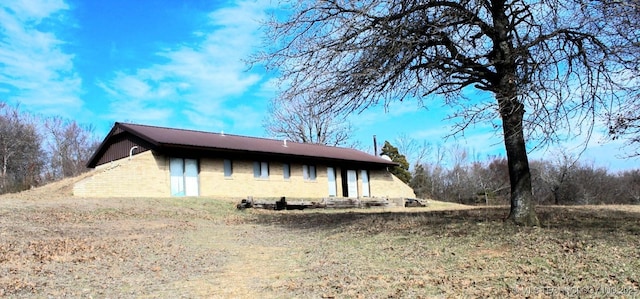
(58, 189)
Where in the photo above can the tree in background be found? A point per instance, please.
(556, 174)
(32, 154)
(69, 147)
(490, 180)
(562, 181)
(415, 151)
(630, 186)
(421, 182)
(561, 61)
(21, 156)
(300, 121)
(400, 171)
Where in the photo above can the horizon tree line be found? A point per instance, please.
(36, 150)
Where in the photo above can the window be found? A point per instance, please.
(228, 168)
(261, 170)
(286, 171)
(309, 172)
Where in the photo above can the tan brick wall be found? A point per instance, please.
(143, 175)
(242, 183)
(385, 184)
(147, 175)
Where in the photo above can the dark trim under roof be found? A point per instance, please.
(170, 141)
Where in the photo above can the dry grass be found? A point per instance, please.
(588, 251)
(57, 246)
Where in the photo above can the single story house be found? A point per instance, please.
(148, 161)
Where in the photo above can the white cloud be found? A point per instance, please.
(35, 9)
(199, 80)
(34, 69)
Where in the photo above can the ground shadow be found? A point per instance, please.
(595, 221)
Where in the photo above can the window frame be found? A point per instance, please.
(227, 168)
(309, 172)
(184, 176)
(286, 171)
(366, 183)
(261, 170)
(332, 180)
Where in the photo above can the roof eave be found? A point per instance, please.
(169, 147)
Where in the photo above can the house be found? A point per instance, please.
(147, 161)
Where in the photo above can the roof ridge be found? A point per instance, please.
(168, 128)
(236, 135)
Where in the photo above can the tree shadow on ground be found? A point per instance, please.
(596, 222)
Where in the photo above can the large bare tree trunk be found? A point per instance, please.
(512, 113)
(522, 207)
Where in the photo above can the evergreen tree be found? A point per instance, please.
(401, 171)
(420, 182)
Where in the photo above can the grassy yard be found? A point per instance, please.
(159, 248)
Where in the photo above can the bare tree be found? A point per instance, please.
(560, 60)
(414, 151)
(625, 122)
(429, 181)
(630, 186)
(557, 173)
(21, 157)
(427, 177)
(70, 146)
(301, 121)
(490, 179)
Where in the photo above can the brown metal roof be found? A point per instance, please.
(167, 139)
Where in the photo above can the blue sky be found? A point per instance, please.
(180, 63)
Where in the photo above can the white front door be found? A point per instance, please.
(184, 177)
(352, 184)
(364, 176)
(176, 169)
(191, 177)
(331, 176)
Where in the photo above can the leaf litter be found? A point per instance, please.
(199, 247)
